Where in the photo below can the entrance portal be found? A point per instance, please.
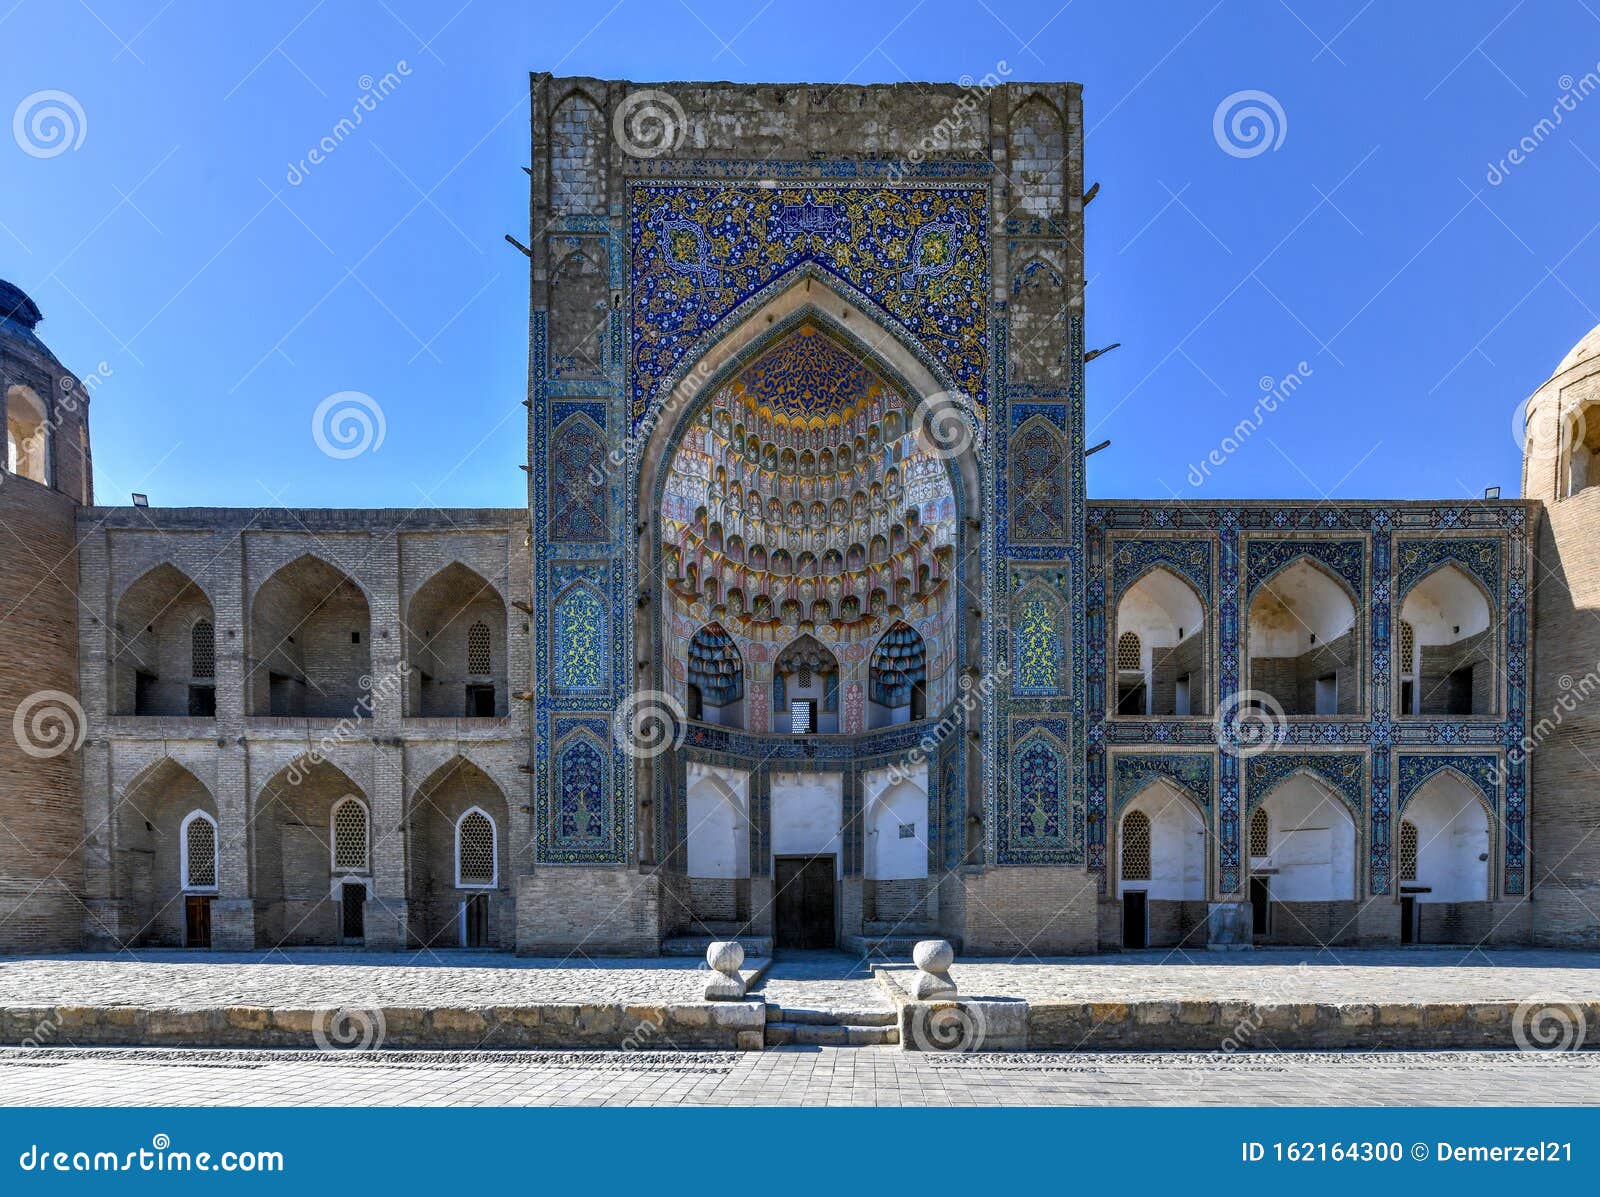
(804, 900)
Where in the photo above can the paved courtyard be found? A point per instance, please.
(823, 980)
(789, 1076)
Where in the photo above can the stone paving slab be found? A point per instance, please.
(1287, 975)
(791, 1076)
(192, 980)
(829, 981)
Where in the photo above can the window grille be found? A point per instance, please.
(350, 835)
(1136, 847)
(475, 863)
(1408, 850)
(478, 649)
(202, 649)
(1260, 834)
(1408, 648)
(1128, 650)
(200, 853)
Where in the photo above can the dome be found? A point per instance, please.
(1586, 350)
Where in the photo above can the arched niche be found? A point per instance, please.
(1161, 620)
(1301, 642)
(28, 438)
(1452, 849)
(1445, 662)
(310, 644)
(455, 628)
(163, 647)
(448, 908)
(1312, 844)
(302, 897)
(148, 860)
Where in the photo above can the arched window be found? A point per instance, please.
(202, 649)
(477, 857)
(1136, 847)
(27, 435)
(1128, 651)
(350, 836)
(1260, 833)
(199, 863)
(1408, 850)
(478, 650)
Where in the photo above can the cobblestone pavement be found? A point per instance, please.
(199, 979)
(822, 981)
(825, 980)
(791, 1076)
(1287, 975)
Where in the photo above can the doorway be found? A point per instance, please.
(805, 902)
(352, 912)
(196, 921)
(1408, 918)
(1135, 919)
(1260, 907)
(475, 922)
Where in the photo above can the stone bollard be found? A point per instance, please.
(725, 957)
(933, 958)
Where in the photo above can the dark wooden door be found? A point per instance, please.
(1135, 932)
(805, 902)
(477, 922)
(1408, 919)
(196, 921)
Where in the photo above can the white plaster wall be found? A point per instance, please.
(1442, 602)
(891, 802)
(1294, 605)
(807, 811)
(1313, 842)
(1157, 607)
(1452, 842)
(718, 804)
(1177, 847)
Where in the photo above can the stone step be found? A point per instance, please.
(801, 1034)
(890, 947)
(830, 1018)
(696, 945)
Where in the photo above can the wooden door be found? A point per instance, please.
(197, 921)
(805, 902)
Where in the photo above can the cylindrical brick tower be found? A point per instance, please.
(1561, 468)
(46, 476)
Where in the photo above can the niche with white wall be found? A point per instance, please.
(807, 812)
(1311, 843)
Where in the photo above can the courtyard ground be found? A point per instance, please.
(870, 1076)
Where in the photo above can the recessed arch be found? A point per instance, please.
(459, 881)
(1454, 846)
(455, 636)
(299, 893)
(1163, 613)
(1302, 638)
(897, 677)
(152, 819)
(310, 651)
(28, 435)
(1174, 848)
(162, 627)
(1313, 844)
(1452, 665)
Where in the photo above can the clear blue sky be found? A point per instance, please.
(227, 303)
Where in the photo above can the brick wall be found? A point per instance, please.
(41, 805)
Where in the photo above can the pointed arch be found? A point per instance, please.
(1041, 782)
(1037, 485)
(455, 642)
(1038, 158)
(583, 814)
(200, 869)
(1160, 645)
(897, 677)
(156, 634)
(350, 835)
(477, 849)
(310, 649)
(1301, 639)
(1451, 614)
(577, 137)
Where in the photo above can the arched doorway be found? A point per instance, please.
(1443, 849)
(1303, 853)
(1445, 650)
(1161, 869)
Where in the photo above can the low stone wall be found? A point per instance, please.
(1190, 1025)
(727, 1026)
